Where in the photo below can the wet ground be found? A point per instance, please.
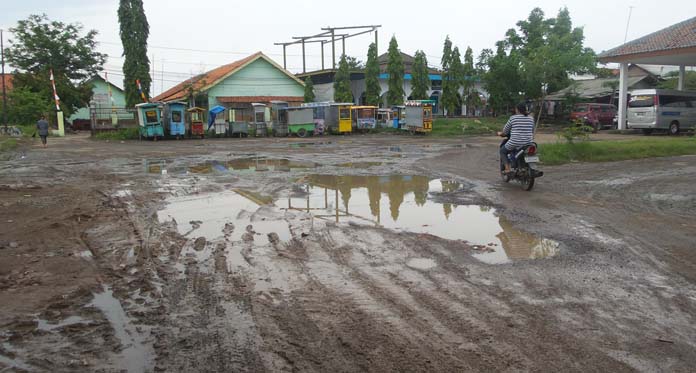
(355, 253)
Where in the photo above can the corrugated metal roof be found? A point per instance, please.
(592, 88)
(678, 36)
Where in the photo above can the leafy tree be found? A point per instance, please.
(134, 33)
(544, 52)
(309, 90)
(354, 63)
(372, 87)
(25, 106)
(446, 54)
(470, 94)
(451, 81)
(395, 69)
(420, 78)
(342, 92)
(673, 80)
(42, 45)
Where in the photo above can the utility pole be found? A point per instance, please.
(4, 93)
(628, 22)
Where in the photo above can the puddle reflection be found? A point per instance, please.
(400, 203)
(230, 166)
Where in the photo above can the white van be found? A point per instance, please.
(661, 109)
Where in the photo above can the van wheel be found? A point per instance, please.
(647, 131)
(674, 128)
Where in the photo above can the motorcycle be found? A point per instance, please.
(523, 163)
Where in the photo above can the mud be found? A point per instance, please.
(357, 253)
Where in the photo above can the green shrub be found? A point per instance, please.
(120, 134)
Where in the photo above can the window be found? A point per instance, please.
(675, 101)
(367, 113)
(176, 116)
(642, 101)
(151, 116)
(427, 113)
(581, 108)
(344, 113)
(259, 117)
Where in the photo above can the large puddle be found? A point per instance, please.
(238, 165)
(224, 214)
(401, 203)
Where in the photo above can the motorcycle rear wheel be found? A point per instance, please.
(528, 180)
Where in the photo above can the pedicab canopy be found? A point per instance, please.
(213, 113)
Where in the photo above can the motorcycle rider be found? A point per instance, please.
(520, 132)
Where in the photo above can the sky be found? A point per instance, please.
(217, 32)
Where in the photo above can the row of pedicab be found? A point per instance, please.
(279, 119)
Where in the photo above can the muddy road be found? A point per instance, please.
(341, 254)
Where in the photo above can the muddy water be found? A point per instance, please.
(401, 203)
(136, 356)
(226, 213)
(236, 165)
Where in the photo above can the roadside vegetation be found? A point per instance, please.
(468, 126)
(606, 151)
(120, 134)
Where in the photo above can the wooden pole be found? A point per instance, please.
(4, 93)
(333, 49)
(322, 55)
(304, 70)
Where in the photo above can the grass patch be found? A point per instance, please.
(606, 151)
(8, 144)
(468, 126)
(120, 134)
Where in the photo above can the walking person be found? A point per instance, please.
(42, 127)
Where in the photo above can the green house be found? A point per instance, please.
(105, 106)
(254, 79)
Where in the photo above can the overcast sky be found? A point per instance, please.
(225, 31)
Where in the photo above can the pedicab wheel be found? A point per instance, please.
(302, 132)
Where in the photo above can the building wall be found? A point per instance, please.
(259, 78)
(100, 95)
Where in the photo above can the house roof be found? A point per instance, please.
(110, 83)
(205, 81)
(671, 39)
(593, 88)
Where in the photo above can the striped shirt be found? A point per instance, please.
(520, 128)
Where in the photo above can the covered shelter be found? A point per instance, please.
(674, 45)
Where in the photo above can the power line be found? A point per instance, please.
(206, 50)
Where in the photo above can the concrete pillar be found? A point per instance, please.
(682, 76)
(623, 92)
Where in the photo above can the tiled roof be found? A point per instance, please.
(261, 99)
(678, 36)
(212, 77)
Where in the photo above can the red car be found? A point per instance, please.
(601, 114)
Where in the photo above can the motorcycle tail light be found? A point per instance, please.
(531, 150)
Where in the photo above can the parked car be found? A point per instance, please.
(661, 110)
(599, 115)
